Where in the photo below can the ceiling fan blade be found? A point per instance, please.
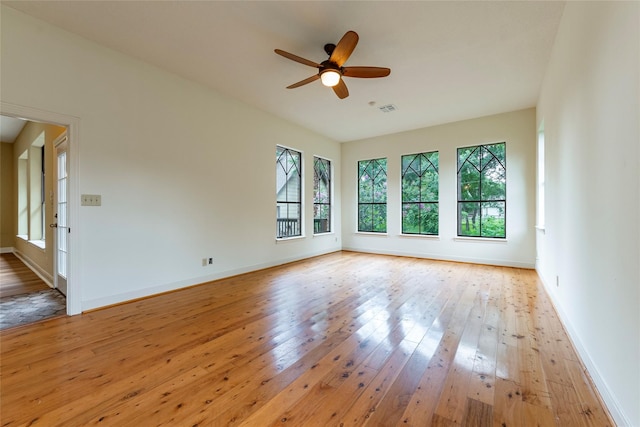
(341, 89)
(304, 82)
(344, 48)
(366, 72)
(297, 58)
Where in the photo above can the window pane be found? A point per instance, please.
(380, 190)
(288, 192)
(380, 218)
(372, 195)
(419, 186)
(411, 218)
(420, 218)
(429, 186)
(469, 219)
(468, 182)
(410, 179)
(365, 217)
(482, 190)
(321, 195)
(493, 219)
(365, 191)
(494, 179)
(429, 218)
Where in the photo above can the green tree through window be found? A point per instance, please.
(420, 193)
(321, 195)
(482, 191)
(372, 195)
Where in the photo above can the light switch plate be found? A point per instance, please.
(91, 200)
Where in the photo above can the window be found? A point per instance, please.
(321, 195)
(31, 193)
(541, 178)
(372, 195)
(288, 192)
(420, 193)
(482, 191)
(23, 195)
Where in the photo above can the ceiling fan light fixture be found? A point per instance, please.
(330, 78)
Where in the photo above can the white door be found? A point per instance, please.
(61, 232)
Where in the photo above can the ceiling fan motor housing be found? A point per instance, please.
(329, 48)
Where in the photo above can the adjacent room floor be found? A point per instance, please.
(24, 297)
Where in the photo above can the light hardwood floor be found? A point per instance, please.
(16, 278)
(344, 339)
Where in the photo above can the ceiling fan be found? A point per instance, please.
(331, 71)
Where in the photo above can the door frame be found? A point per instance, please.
(62, 140)
(72, 123)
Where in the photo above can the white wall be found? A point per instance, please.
(184, 173)
(590, 107)
(517, 129)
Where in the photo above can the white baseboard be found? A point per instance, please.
(46, 277)
(496, 262)
(605, 393)
(8, 250)
(168, 287)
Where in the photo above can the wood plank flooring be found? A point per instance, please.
(16, 278)
(344, 339)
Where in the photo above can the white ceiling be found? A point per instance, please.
(10, 128)
(449, 60)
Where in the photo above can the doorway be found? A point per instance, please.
(64, 198)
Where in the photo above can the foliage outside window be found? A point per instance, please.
(321, 195)
(482, 191)
(420, 193)
(372, 195)
(288, 192)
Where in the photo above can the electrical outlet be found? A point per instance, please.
(204, 262)
(557, 281)
(210, 261)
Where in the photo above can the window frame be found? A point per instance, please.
(424, 155)
(299, 230)
(480, 201)
(540, 180)
(373, 203)
(316, 202)
(31, 189)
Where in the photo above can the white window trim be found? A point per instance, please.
(287, 239)
(371, 233)
(331, 198)
(430, 236)
(421, 236)
(480, 239)
(302, 199)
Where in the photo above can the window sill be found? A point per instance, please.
(371, 233)
(288, 239)
(421, 236)
(480, 239)
(329, 233)
(39, 243)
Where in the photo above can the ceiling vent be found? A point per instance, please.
(388, 108)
